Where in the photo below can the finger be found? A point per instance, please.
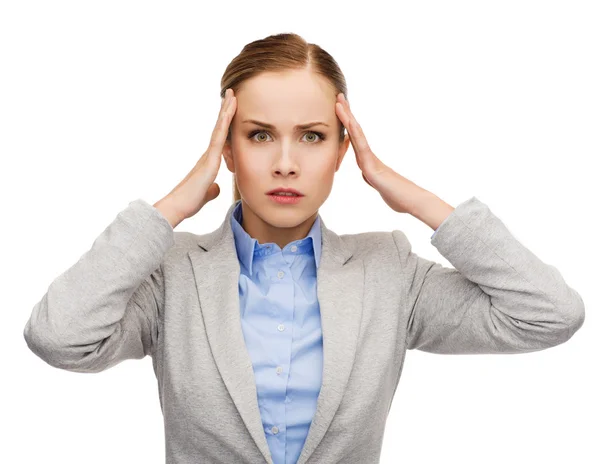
(224, 102)
(219, 134)
(343, 115)
(357, 137)
(359, 141)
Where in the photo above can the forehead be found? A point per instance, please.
(298, 95)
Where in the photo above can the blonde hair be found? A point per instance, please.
(281, 52)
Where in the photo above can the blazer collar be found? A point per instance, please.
(340, 285)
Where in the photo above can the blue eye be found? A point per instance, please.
(319, 134)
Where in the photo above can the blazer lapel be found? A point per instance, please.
(340, 294)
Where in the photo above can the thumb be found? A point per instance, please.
(213, 192)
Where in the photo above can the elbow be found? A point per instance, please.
(38, 343)
(578, 314)
(63, 352)
(58, 355)
(43, 346)
(574, 316)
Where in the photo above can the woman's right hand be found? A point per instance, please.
(199, 186)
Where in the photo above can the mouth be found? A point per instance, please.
(283, 191)
(293, 195)
(285, 199)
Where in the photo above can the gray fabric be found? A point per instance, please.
(145, 289)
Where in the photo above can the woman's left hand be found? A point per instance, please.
(397, 191)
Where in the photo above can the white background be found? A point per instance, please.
(102, 103)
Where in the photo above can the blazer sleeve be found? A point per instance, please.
(104, 309)
(498, 298)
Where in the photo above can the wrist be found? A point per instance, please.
(165, 207)
(430, 209)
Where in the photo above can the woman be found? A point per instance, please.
(273, 338)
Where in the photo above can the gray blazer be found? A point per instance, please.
(144, 289)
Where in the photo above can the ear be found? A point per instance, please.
(228, 156)
(342, 151)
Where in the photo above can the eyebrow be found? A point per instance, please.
(297, 127)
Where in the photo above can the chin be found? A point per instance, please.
(285, 215)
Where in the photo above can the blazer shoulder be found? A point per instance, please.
(183, 242)
(372, 244)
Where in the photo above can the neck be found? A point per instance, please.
(280, 234)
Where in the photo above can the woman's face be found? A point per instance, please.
(263, 159)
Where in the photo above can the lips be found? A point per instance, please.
(284, 190)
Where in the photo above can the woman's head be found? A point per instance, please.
(284, 82)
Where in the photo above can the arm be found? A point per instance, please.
(499, 298)
(104, 309)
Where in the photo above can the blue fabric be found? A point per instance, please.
(284, 341)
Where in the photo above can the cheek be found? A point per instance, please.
(322, 166)
(249, 164)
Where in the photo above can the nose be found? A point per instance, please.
(286, 163)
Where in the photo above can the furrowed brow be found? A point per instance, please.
(297, 127)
